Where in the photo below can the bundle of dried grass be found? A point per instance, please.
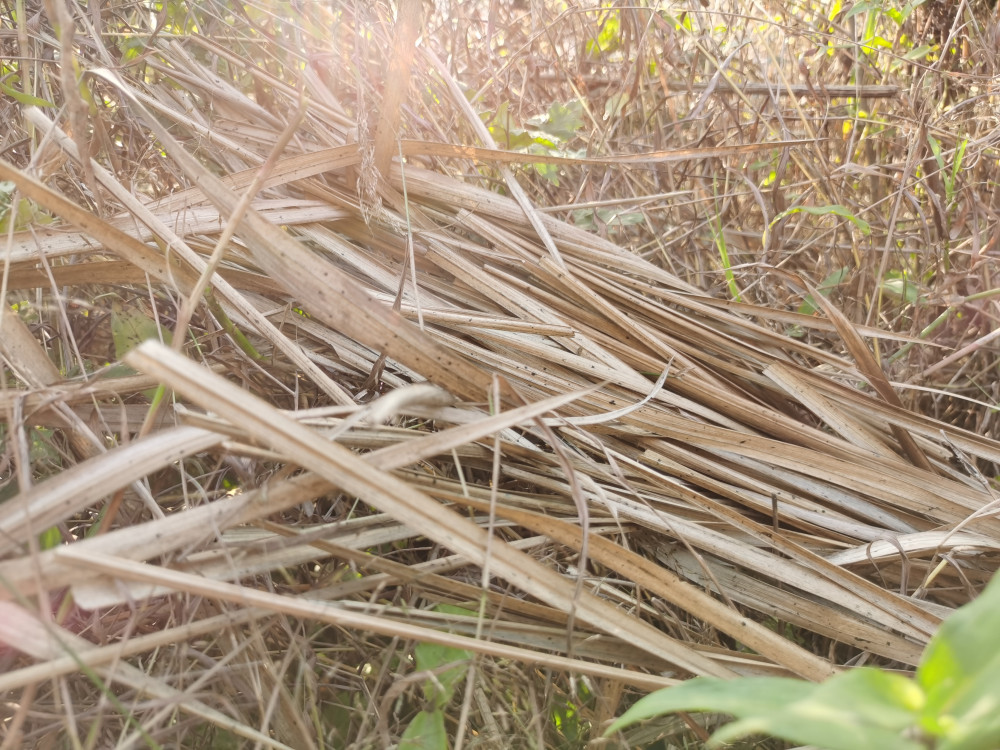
(393, 386)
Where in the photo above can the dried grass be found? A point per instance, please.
(416, 380)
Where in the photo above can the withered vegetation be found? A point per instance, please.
(657, 342)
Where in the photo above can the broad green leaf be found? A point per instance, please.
(507, 132)
(564, 120)
(747, 697)
(627, 218)
(960, 668)
(431, 656)
(901, 288)
(514, 139)
(542, 143)
(549, 171)
(584, 218)
(129, 328)
(615, 104)
(25, 214)
(567, 722)
(131, 47)
(974, 720)
(609, 38)
(425, 732)
(918, 53)
(43, 450)
(862, 708)
(832, 281)
(50, 538)
(822, 732)
(877, 41)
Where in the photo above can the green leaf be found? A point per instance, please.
(959, 154)
(897, 285)
(507, 132)
(861, 7)
(129, 328)
(862, 708)
(876, 41)
(131, 47)
(746, 697)
(22, 98)
(549, 171)
(584, 218)
(918, 53)
(608, 39)
(936, 150)
(974, 723)
(542, 143)
(50, 538)
(835, 279)
(628, 218)
(26, 212)
(425, 732)
(900, 15)
(432, 656)
(960, 672)
(564, 120)
(615, 104)
(836, 210)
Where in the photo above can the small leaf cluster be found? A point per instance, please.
(426, 731)
(953, 703)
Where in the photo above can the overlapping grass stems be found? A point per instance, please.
(520, 387)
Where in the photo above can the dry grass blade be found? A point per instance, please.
(868, 365)
(399, 499)
(87, 483)
(26, 632)
(676, 591)
(124, 569)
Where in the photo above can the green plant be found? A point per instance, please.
(950, 181)
(948, 177)
(952, 704)
(446, 667)
(841, 211)
(545, 134)
(874, 11)
(827, 285)
(25, 213)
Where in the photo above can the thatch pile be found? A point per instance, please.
(408, 385)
